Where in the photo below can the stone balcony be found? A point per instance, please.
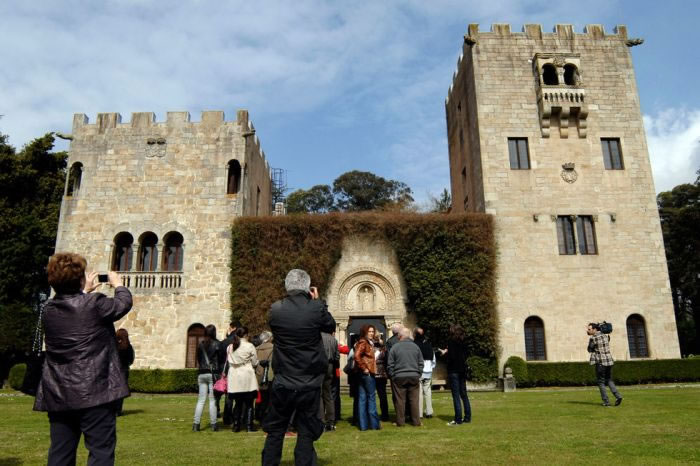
(152, 280)
(566, 102)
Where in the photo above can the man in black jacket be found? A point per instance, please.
(299, 363)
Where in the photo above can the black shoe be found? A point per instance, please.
(428, 416)
(214, 428)
(606, 405)
(195, 427)
(236, 427)
(466, 421)
(250, 420)
(618, 402)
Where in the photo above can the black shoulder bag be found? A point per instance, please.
(35, 362)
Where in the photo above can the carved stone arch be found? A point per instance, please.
(385, 287)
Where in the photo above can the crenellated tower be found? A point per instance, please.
(545, 132)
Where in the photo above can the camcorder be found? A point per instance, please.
(605, 327)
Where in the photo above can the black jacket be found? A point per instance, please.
(213, 352)
(82, 367)
(298, 358)
(457, 357)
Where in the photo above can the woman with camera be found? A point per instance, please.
(81, 379)
(457, 374)
(208, 363)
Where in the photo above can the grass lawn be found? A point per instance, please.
(654, 425)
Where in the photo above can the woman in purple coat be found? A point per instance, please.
(81, 379)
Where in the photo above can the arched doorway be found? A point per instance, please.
(356, 323)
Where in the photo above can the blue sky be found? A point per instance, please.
(330, 86)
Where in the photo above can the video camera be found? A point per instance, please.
(605, 327)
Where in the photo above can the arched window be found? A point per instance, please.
(637, 337)
(121, 255)
(195, 334)
(571, 76)
(172, 252)
(75, 175)
(233, 183)
(549, 75)
(535, 349)
(148, 252)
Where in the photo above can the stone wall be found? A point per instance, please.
(145, 176)
(496, 94)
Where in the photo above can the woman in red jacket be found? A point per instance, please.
(366, 366)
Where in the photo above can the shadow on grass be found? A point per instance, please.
(126, 412)
(590, 403)
(10, 461)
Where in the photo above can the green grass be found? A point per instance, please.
(654, 425)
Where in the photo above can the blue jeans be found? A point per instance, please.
(367, 409)
(458, 386)
(206, 387)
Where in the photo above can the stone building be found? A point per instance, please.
(545, 133)
(156, 201)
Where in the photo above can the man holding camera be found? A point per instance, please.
(300, 365)
(599, 347)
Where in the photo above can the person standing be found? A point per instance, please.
(264, 373)
(599, 347)
(381, 377)
(426, 379)
(126, 358)
(366, 367)
(242, 382)
(457, 374)
(223, 362)
(208, 365)
(330, 346)
(81, 379)
(405, 365)
(300, 365)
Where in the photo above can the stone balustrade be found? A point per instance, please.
(152, 280)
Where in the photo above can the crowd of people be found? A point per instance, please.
(287, 378)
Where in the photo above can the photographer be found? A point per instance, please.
(599, 347)
(81, 379)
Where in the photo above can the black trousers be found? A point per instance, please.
(335, 389)
(381, 394)
(327, 408)
(98, 424)
(283, 403)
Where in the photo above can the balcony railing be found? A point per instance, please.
(561, 95)
(152, 280)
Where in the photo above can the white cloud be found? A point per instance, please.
(673, 136)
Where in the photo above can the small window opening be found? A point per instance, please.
(195, 335)
(234, 177)
(172, 252)
(549, 75)
(74, 178)
(571, 76)
(637, 337)
(535, 348)
(121, 257)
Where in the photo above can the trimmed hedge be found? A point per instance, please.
(519, 368)
(624, 372)
(447, 261)
(16, 376)
(482, 369)
(163, 380)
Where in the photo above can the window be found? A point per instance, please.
(534, 339)
(122, 252)
(172, 252)
(612, 155)
(585, 230)
(74, 178)
(549, 75)
(571, 76)
(195, 334)
(148, 252)
(518, 153)
(233, 182)
(637, 337)
(257, 202)
(565, 235)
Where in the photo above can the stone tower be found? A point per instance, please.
(545, 133)
(156, 202)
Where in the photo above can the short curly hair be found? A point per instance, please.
(66, 271)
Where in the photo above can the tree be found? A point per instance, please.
(441, 204)
(357, 191)
(31, 187)
(679, 210)
(318, 199)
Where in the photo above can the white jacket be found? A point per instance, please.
(241, 371)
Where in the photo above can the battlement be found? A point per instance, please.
(106, 121)
(534, 31)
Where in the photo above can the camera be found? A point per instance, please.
(102, 278)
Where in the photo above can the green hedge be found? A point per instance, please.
(482, 369)
(541, 374)
(519, 368)
(16, 376)
(163, 380)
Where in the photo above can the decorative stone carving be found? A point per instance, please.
(156, 147)
(568, 173)
(634, 42)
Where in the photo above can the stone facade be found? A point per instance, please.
(145, 176)
(500, 91)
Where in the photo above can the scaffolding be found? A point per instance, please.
(278, 189)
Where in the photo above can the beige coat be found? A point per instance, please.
(241, 373)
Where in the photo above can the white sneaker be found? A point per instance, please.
(453, 423)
